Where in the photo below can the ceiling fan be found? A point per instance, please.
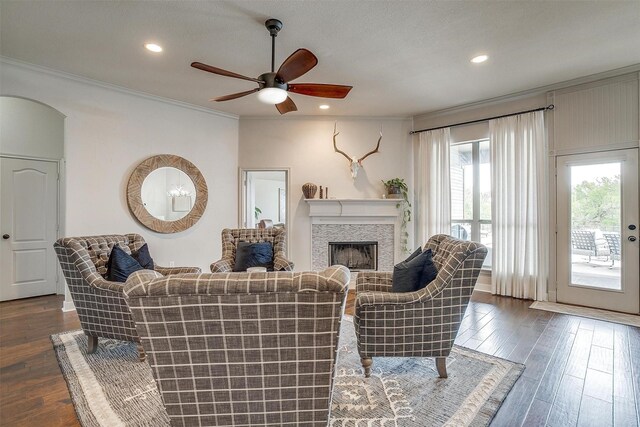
(273, 87)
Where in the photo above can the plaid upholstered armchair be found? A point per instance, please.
(422, 323)
(231, 237)
(100, 303)
(239, 349)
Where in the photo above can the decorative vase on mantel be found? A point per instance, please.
(309, 190)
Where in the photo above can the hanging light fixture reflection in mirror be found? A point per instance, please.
(180, 199)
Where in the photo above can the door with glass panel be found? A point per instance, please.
(597, 237)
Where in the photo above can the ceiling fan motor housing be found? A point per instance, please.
(270, 80)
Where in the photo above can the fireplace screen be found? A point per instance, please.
(355, 256)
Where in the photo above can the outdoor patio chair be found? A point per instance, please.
(583, 242)
(613, 240)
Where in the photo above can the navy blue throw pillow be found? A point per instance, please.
(409, 276)
(144, 257)
(121, 265)
(414, 254)
(253, 255)
(429, 272)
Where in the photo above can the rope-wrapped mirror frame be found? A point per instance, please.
(134, 193)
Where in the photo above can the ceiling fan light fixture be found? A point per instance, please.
(272, 95)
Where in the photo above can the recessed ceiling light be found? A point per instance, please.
(153, 47)
(478, 59)
(324, 107)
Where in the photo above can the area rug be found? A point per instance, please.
(591, 313)
(112, 388)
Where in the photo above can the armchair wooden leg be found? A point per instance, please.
(441, 364)
(141, 354)
(92, 344)
(366, 364)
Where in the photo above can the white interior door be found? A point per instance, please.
(28, 224)
(598, 246)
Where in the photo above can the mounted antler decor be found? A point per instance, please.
(355, 163)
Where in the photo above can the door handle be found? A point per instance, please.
(5, 236)
(632, 238)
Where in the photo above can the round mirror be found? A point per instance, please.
(167, 193)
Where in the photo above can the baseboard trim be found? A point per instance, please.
(482, 287)
(68, 306)
(591, 313)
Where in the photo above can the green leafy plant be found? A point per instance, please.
(257, 212)
(596, 204)
(398, 186)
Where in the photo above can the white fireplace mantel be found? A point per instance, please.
(319, 208)
(355, 220)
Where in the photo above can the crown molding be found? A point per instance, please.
(530, 92)
(91, 82)
(325, 118)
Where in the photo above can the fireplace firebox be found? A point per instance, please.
(356, 256)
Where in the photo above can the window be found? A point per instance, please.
(471, 193)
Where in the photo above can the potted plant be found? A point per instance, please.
(398, 189)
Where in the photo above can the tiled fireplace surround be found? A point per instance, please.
(354, 220)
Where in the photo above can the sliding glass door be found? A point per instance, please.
(597, 214)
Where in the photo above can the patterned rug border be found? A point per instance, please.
(503, 389)
(479, 416)
(61, 356)
(588, 312)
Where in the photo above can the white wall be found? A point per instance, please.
(266, 198)
(305, 145)
(21, 135)
(108, 132)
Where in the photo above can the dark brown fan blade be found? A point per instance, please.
(297, 64)
(220, 71)
(235, 95)
(286, 106)
(321, 90)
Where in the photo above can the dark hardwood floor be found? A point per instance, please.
(32, 389)
(578, 371)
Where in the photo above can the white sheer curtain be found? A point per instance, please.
(519, 206)
(434, 186)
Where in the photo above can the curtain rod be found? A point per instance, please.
(548, 107)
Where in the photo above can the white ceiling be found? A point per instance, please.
(402, 58)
